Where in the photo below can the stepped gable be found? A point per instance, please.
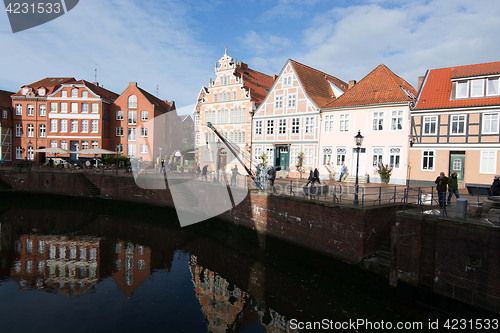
(437, 87)
(162, 106)
(317, 84)
(256, 82)
(50, 84)
(380, 86)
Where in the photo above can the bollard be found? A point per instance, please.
(461, 207)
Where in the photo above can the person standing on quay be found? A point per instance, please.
(452, 187)
(204, 173)
(271, 175)
(342, 171)
(442, 182)
(495, 187)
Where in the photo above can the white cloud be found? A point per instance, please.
(264, 43)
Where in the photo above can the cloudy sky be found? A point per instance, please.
(173, 45)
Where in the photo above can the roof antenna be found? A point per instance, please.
(95, 73)
(157, 90)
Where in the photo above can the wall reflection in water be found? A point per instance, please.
(71, 253)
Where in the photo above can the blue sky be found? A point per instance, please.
(174, 44)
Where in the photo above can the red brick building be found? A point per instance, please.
(6, 127)
(30, 117)
(143, 125)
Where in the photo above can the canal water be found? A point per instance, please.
(95, 268)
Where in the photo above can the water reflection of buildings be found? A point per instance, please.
(56, 263)
(227, 307)
(132, 266)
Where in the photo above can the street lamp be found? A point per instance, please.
(359, 141)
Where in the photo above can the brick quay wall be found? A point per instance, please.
(345, 233)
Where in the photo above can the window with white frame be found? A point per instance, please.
(430, 125)
(144, 149)
(64, 107)
(327, 155)
(258, 127)
(295, 125)
(490, 123)
(53, 143)
(31, 131)
(395, 157)
(95, 108)
(457, 124)
(215, 97)
(234, 95)
(94, 126)
(309, 125)
(477, 88)
(74, 92)
(328, 123)
(492, 87)
(64, 144)
(31, 110)
(270, 126)
(378, 121)
(378, 156)
(85, 145)
(397, 120)
(428, 160)
(132, 117)
(74, 107)
(270, 156)
(42, 131)
(197, 120)
(340, 155)
(282, 126)
(257, 153)
(488, 162)
(344, 122)
(131, 149)
(119, 115)
(42, 110)
(144, 132)
(462, 89)
(197, 140)
(278, 102)
(294, 153)
(209, 117)
(144, 115)
(53, 125)
(221, 99)
(94, 144)
(74, 126)
(132, 102)
(291, 100)
(53, 107)
(19, 130)
(223, 116)
(4, 114)
(85, 94)
(308, 156)
(25, 91)
(85, 126)
(119, 148)
(287, 80)
(119, 131)
(64, 125)
(19, 110)
(19, 153)
(131, 134)
(41, 92)
(64, 94)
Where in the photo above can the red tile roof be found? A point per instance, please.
(163, 106)
(436, 91)
(100, 91)
(380, 86)
(256, 82)
(51, 84)
(317, 84)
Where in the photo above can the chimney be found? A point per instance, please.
(274, 77)
(420, 81)
(132, 84)
(351, 84)
(95, 84)
(243, 66)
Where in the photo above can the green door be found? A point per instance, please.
(457, 163)
(283, 157)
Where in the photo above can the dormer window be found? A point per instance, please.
(25, 91)
(492, 87)
(477, 88)
(41, 92)
(462, 89)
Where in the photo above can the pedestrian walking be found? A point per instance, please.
(442, 182)
(234, 174)
(204, 173)
(452, 187)
(310, 179)
(271, 175)
(316, 176)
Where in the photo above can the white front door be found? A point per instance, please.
(362, 162)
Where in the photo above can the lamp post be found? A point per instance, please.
(359, 141)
